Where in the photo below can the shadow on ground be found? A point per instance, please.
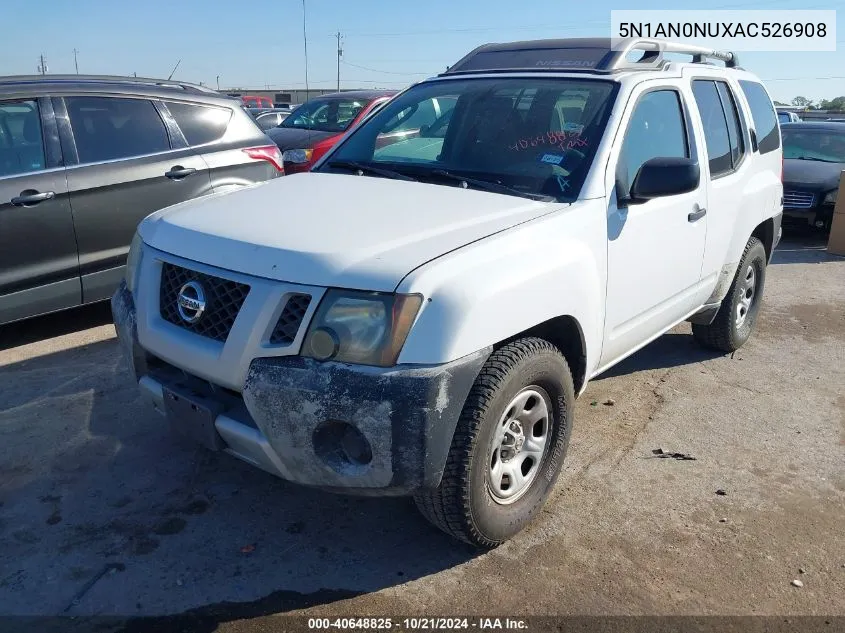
(803, 246)
(55, 324)
(90, 477)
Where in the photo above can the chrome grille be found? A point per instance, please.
(224, 299)
(793, 199)
(290, 320)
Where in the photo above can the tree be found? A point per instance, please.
(802, 102)
(836, 105)
(780, 103)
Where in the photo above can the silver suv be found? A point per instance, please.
(84, 159)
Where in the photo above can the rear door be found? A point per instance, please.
(125, 161)
(727, 171)
(220, 135)
(39, 268)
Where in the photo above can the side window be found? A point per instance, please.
(735, 128)
(200, 124)
(21, 142)
(656, 129)
(109, 128)
(715, 126)
(763, 115)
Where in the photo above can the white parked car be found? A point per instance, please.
(417, 314)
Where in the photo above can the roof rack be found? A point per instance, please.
(593, 55)
(117, 79)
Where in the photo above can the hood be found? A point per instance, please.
(333, 229)
(811, 175)
(293, 138)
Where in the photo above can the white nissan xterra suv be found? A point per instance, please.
(417, 314)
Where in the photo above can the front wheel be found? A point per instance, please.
(738, 314)
(508, 447)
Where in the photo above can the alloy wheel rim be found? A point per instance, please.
(518, 445)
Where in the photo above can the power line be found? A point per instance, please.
(386, 72)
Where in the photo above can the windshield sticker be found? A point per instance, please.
(561, 140)
(576, 128)
(552, 159)
(563, 183)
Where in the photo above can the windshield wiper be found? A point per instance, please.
(821, 160)
(493, 187)
(369, 169)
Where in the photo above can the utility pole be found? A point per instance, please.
(75, 64)
(339, 54)
(42, 66)
(305, 43)
(218, 83)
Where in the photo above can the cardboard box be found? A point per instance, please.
(836, 241)
(840, 200)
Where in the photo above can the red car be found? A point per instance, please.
(315, 126)
(251, 101)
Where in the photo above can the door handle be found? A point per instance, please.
(30, 197)
(697, 214)
(178, 172)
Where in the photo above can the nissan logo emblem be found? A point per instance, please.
(191, 302)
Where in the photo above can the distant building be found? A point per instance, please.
(294, 96)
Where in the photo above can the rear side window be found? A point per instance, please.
(735, 128)
(715, 126)
(200, 124)
(763, 115)
(21, 144)
(110, 128)
(722, 129)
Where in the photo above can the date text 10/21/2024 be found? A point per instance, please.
(417, 624)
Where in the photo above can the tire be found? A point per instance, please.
(728, 332)
(470, 503)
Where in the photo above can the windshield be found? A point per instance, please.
(534, 136)
(823, 145)
(325, 115)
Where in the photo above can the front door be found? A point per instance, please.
(39, 268)
(655, 249)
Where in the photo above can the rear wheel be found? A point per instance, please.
(736, 318)
(508, 447)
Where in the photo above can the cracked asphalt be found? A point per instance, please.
(90, 477)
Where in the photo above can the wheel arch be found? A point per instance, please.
(567, 335)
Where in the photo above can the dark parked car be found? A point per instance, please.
(813, 160)
(315, 126)
(83, 159)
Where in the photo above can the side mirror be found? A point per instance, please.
(659, 177)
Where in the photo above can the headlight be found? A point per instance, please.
(132, 261)
(831, 197)
(365, 328)
(297, 155)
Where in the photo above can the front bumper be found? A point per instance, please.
(812, 216)
(290, 417)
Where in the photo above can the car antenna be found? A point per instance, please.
(174, 70)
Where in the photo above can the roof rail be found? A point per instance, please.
(579, 55)
(653, 51)
(24, 79)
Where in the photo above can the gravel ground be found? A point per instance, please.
(90, 477)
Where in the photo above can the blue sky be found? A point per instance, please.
(387, 43)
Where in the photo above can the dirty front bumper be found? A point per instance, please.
(347, 428)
